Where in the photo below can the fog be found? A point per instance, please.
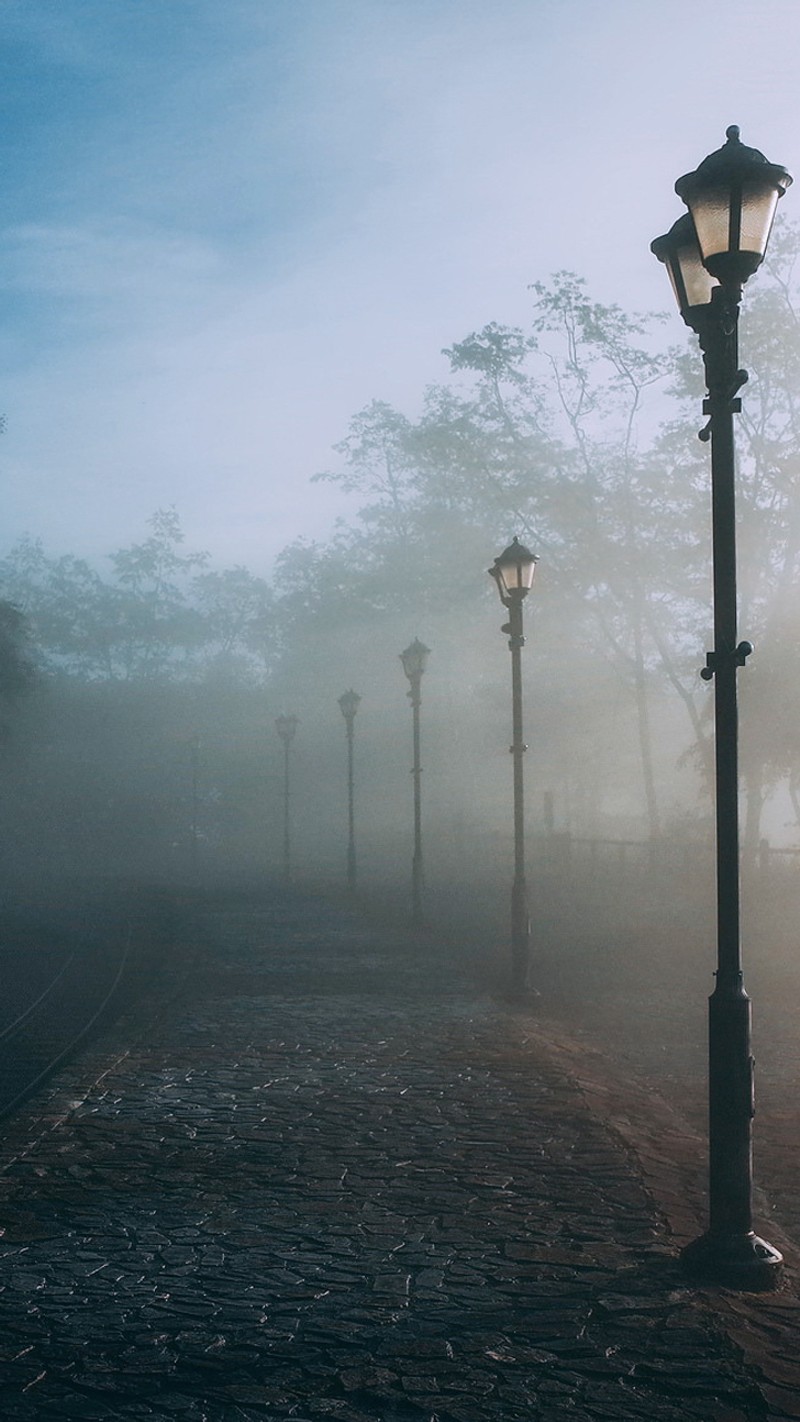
(227, 228)
(238, 254)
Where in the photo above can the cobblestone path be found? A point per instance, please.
(332, 1182)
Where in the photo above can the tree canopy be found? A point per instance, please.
(574, 430)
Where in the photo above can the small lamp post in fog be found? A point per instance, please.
(415, 660)
(286, 727)
(194, 754)
(709, 253)
(513, 574)
(348, 705)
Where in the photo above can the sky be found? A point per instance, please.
(228, 225)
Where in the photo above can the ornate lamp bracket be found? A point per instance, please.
(722, 403)
(715, 660)
(515, 639)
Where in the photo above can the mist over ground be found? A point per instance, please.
(309, 312)
(140, 729)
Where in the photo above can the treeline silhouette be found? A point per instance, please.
(139, 698)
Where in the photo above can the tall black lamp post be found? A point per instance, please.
(415, 660)
(513, 574)
(286, 727)
(709, 253)
(348, 704)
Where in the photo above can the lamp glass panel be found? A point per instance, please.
(518, 574)
(698, 282)
(673, 283)
(510, 575)
(527, 571)
(414, 659)
(758, 211)
(499, 575)
(711, 213)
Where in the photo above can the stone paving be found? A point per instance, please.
(331, 1180)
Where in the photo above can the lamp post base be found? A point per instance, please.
(520, 935)
(737, 1261)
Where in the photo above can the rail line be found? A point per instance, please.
(52, 1027)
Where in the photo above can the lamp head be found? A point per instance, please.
(286, 727)
(732, 197)
(348, 704)
(679, 250)
(513, 571)
(415, 659)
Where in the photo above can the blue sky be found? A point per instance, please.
(227, 225)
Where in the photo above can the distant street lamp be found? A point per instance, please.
(286, 727)
(415, 660)
(194, 752)
(348, 704)
(709, 253)
(513, 574)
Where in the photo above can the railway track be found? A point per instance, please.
(59, 1019)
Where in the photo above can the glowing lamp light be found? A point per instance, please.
(732, 197)
(513, 571)
(679, 250)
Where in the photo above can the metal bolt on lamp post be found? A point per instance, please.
(286, 727)
(709, 253)
(415, 660)
(348, 705)
(513, 571)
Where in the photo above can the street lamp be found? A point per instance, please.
(348, 704)
(513, 574)
(194, 753)
(286, 727)
(710, 253)
(415, 660)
